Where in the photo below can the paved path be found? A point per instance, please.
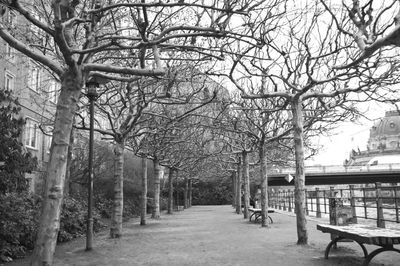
(213, 235)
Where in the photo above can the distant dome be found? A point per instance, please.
(386, 126)
(384, 140)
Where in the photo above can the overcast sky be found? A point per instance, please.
(348, 136)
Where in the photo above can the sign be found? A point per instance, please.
(289, 178)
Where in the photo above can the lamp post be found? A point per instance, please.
(91, 87)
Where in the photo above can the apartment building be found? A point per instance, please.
(36, 91)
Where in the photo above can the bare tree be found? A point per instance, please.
(84, 40)
(294, 69)
(263, 127)
(373, 25)
(188, 94)
(143, 207)
(122, 106)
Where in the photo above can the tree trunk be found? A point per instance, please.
(246, 178)
(264, 185)
(143, 209)
(118, 206)
(190, 193)
(185, 195)
(69, 161)
(177, 201)
(233, 178)
(49, 222)
(239, 188)
(156, 201)
(170, 191)
(299, 190)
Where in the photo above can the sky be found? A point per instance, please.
(347, 136)
(337, 148)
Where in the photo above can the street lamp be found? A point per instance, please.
(91, 87)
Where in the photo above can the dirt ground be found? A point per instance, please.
(213, 235)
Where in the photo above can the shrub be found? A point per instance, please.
(19, 214)
(74, 219)
(104, 206)
(16, 161)
(131, 208)
(211, 192)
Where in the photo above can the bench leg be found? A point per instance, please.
(329, 246)
(334, 241)
(258, 217)
(376, 252)
(251, 216)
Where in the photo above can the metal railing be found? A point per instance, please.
(374, 202)
(339, 169)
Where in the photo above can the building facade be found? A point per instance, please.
(36, 91)
(383, 142)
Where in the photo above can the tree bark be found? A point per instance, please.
(143, 209)
(299, 190)
(69, 161)
(156, 201)
(264, 185)
(246, 179)
(170, 191)
(118, 206)
(234, 190)
(185, 195)
(239, 187)
(190, 193)
(49, 222)
(177, 200)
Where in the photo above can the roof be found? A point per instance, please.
(386, 126)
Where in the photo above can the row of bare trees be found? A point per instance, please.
(309, 77)
(298, 68)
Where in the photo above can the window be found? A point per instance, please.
(48, 143)
(34, 77)
(10, 52)
(37, 33)
(9, 81)
(31, 133)
(48, 136)
(53, 90)
(11, 18)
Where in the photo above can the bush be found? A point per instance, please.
(19, 214)
(131, 208)
(74, 218)
(17, 161)
(104, 206)
(211, 192)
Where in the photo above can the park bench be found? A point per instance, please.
(362, 234)
(256, 214)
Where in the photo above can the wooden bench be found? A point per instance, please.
(362, 234)
(256, 213)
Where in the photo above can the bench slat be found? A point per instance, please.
(364, 234)
(259, 210)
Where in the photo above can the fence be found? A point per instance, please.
(389, 167)
(372, 202)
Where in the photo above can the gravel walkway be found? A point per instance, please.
(213, 235)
